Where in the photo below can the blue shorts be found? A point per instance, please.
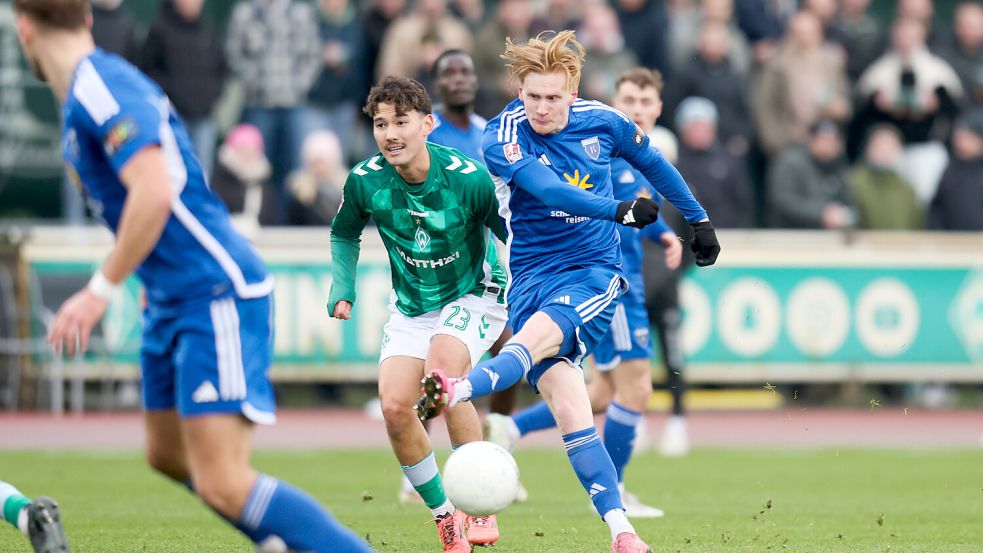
(628, 337)
(210, 357)
(581, 301)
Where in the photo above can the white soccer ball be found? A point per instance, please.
(481, 478)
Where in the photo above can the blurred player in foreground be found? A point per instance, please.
(207, 342)
(565, 259)
(433, 208)
(622, 384)
(38, 519)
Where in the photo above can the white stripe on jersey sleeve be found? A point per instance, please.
(504, 195)
(93, 93)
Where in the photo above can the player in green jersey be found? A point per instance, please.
(431, 205)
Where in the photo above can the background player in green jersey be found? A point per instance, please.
(431, 205)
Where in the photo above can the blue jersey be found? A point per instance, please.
(468, 142)
(555, 191)
(112, 111)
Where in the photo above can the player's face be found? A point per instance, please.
(400, 136)
(26, 32)
(643, 105)
(547, 100)
(457, 82)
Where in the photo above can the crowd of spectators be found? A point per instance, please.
(807, 114)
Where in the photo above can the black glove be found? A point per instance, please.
(637, 213)
(705, 244)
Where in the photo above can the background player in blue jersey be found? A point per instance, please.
(623, 382)
(456, 125)
(564, 255)
(208, 337)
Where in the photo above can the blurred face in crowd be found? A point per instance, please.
(390, 8)
(714, 42)
(805, 31)
(825, 10)
(920, 10)
(516, 16)
(188, 9)
(825, 146)
(400, 136)
(601, 29)
(969, 25)
(855, 7)
(631, 5)
(547, 98)
(883, 149)
(907, 36)
(699, 134)
(333, 7)
(966, 144)
(717, 10)
(432, 8)
(642, 104)
(456, 82)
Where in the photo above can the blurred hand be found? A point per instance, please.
(343, 310)
(835, 216)
(674, 250)
(74, 321)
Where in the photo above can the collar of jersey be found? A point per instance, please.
(427, 183)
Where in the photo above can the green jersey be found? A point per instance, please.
(433, 231)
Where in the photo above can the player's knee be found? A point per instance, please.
(222, 493)
(397, 412)
(168, 463)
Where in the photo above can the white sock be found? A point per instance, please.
(462, 392)
(407, 485)
(513, 431)
(22, 521)
(618, 523)
(447, 507)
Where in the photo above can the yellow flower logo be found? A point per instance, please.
(575, 180)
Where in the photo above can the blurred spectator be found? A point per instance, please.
(803, 82)
(862, 36)
(914, 90)
(710, 74)
(334, 97)
(958, 203)
(808, 187)
(471, 12)
(375, 24)
(273, 48)
(183, 54)
(922, 11)
(607, 57)
(512, 19)
(763, 23)
(455, 123)
(242, 180)
(686, 45)
(557, 16)
(114, 29)
(315, 189)
(644, 27)
(414, 41)
(885, 201)
(718, 178)
(964, 51)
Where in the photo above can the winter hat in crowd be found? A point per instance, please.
(245, 136)
(695, 108)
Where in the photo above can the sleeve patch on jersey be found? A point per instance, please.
(119, 135)
(513, 152)
(639, 136)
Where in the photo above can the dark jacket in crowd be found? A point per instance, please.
(720, 182)
(646, 32)
(800, 188)
(719, 83)
(958, 202)
(115, 31)
(187, 61)
(340, 83)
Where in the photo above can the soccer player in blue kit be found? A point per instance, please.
(208, 336)
(564, 254)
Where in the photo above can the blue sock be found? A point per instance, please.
(594, 469)
(254, 535)
(533, 418)
(277, 508)
(500, 372)
(619, 435)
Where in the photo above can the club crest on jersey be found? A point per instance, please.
(639, 136)
(422, 239)
(119, 135)
(592, 146)
(513, 152)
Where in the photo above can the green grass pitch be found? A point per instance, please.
(715, 500)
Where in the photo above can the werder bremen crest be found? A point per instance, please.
(422, 239)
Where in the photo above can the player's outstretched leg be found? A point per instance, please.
(44, 527)
(498, 373)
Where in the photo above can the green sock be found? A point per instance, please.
(426, 481)
(12, 507)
